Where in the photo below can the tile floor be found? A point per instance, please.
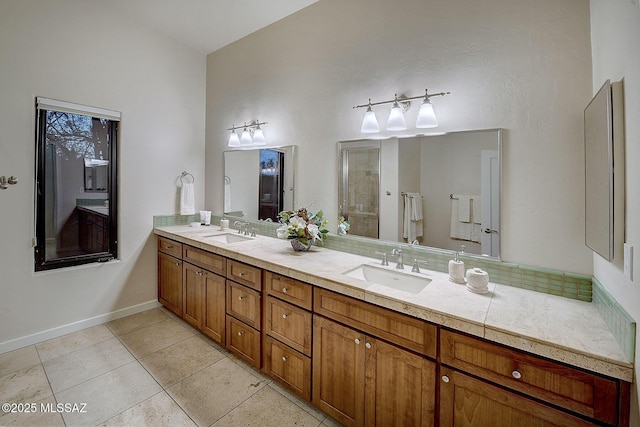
(147, 369)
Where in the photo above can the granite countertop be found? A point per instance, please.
(558, 328)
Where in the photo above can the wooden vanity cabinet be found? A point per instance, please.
(244, 311)
(578, 391)
(359, 380)
(170, 274)
(287, 332)
(467, 401)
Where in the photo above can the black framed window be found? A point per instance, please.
(76, 184)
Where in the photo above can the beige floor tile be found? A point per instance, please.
(330, 422)
(25, 386)
(175, 363)
(108, 394)
(315, 412)
(150, 339)
(209, 394)
(73, 342)
(42, 414)
(136, 321)
(19, 359)
(74, 368)
(268, 408)
(157, 411)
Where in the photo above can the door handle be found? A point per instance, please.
(489, 231)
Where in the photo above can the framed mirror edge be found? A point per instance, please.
(499, 133)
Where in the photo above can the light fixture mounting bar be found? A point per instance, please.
(253, 124)
(401, 100)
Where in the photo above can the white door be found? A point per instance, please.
(490, 194)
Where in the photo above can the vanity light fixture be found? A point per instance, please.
(251, 136)
(426, 116)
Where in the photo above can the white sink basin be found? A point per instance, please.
(228, 237)
(388, 276)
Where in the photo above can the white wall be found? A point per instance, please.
(615, 34)
(520, 65)
(78, 51)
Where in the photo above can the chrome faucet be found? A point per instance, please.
(243, 227)
(398, 252)
(384, 258)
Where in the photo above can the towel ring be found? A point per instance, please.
(227, 180)
(186, 174)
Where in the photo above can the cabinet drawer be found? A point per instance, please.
(290, 290)
(289, 324)
(210, 261)
(245, 274)
(288, 366)
(170, 247)
(578, 391)
(243, 304)
(244, 341)
(406, 331)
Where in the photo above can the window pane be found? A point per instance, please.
(74, 213)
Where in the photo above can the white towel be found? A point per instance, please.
(476, 233)
(412, 218)
(227, 197)
(187, 199)
(464, 208)
(459, 230)
(477, 209)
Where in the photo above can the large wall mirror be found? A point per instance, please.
(440, 191)
(258, 184)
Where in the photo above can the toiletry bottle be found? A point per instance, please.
(456, 270)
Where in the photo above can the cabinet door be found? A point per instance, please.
(289, 324)
(400, 387)
(338, 371)
(244, 304)
(170, 282)
(291, 368)
(244, 341)
(214, 312)
(193, 295)
(466, 401)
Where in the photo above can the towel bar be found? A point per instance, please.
(185, 174)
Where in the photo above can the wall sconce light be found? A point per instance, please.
(426, 115)
(251, 135)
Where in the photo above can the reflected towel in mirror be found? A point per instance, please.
(413, 226)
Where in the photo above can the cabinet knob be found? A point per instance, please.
(357, 340)
(284, 290)
(240, 297)
(284, 358)
(368, 345)
(241, 274)
(240, 333)
(177, 263)
(445, 379)
(516, 374)
(169, 247)
(284, 316)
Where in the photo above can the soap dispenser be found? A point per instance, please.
(456, 270)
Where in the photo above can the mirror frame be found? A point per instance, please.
(380, 141)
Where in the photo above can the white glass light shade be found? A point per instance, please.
(396, 118)
(426, 116)
(234, 140)
(245, 139)
(258, 137)
(370, 122)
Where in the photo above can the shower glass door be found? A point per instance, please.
(360, 186)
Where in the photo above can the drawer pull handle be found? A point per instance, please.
(240, 297)
(284, 290)
(284, 358)
(284, 316)
(516, 374)
(241, 274)
(368, 345)
(445, 379)
(240, 333)
(357, 340)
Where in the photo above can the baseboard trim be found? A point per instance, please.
(38, 337)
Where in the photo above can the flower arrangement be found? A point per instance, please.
(343, 226)
(302, 225)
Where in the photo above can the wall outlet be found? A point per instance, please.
(628, 261)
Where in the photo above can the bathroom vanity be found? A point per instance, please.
(368, 354)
